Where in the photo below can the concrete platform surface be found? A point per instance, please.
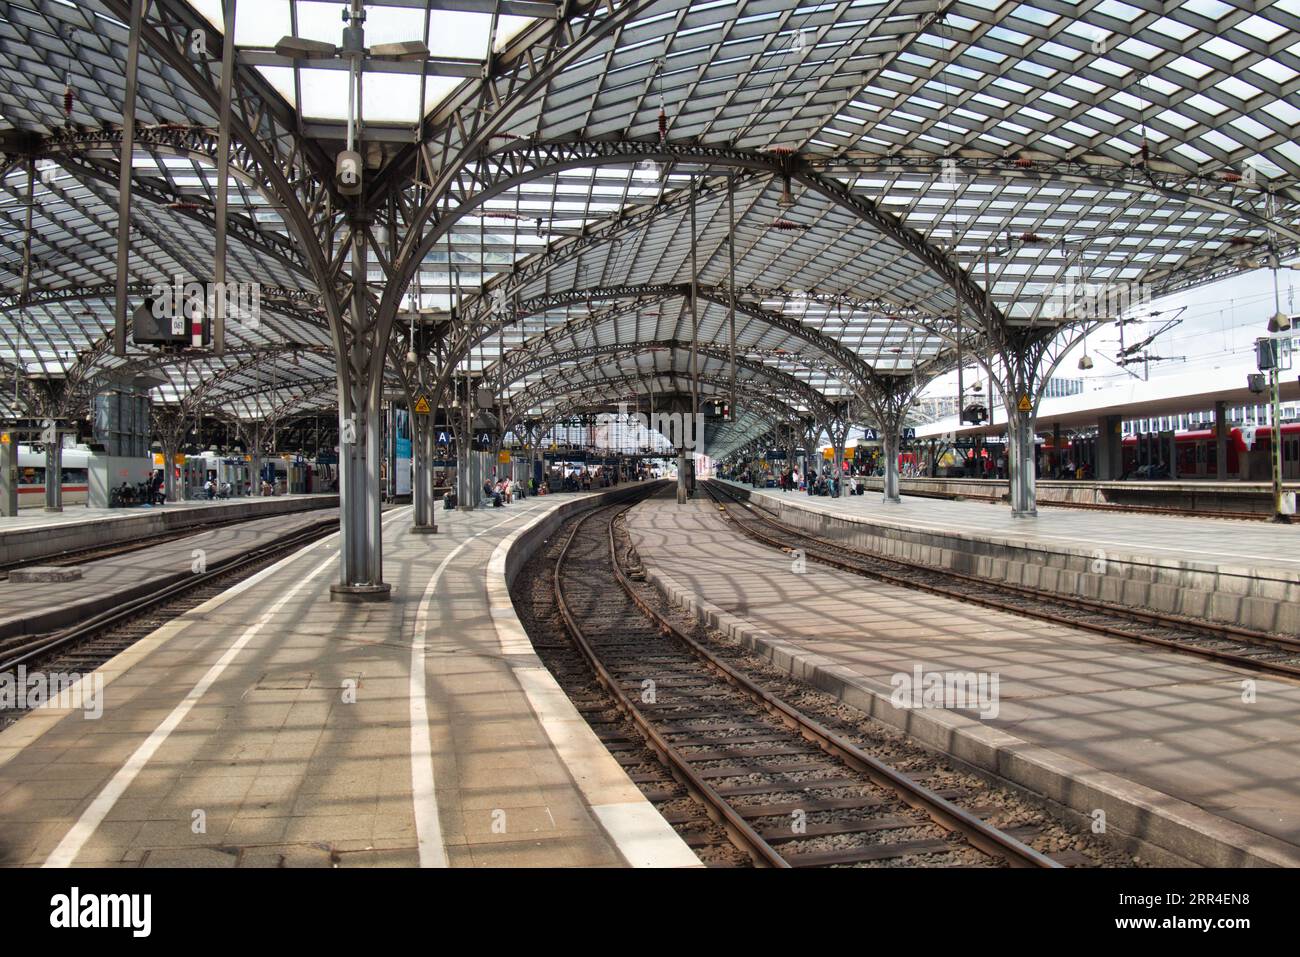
(1173, 748)
(47, 534)
(270, 726)
(1261, 546)
(74, 514)
(1234, 572)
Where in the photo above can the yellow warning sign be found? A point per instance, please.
(1025, 405)
(4, 438)
(422, 405)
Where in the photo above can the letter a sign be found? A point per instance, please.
(422, 405)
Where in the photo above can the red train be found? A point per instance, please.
(1249, 454)
(1249, 451)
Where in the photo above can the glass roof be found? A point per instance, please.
(1037, 146)
(458, 42)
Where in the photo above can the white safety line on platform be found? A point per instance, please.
(428, 828)
(68, 849)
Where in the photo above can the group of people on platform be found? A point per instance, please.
(503, 491)
(814, 483)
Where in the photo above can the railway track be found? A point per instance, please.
(732, 761)
(1230, 644)
(85, 646)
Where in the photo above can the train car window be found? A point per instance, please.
(27, 475)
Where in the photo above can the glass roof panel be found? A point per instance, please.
(457, 34)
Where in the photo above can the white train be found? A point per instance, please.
(192, 476)
(31, 477)
(235, 471)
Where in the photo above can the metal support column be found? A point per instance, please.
(8, 474)
(1020, 464)
(170, 484)
(361, 568)
(54, 473)
(420, 492)
(218, 304)
(889, 451)
(467, 494)
(1221, 440)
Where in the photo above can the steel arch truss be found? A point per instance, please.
(793, 391)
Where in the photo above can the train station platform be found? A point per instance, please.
(32, 607)
(1190, 496)
(29, 537)
(1238, 572)
(1166, 745)
(272, 727)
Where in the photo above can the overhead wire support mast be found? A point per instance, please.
(124, 177)
(217, 305)
(731, 288)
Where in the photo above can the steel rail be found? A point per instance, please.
(742, 834)
(983, 836)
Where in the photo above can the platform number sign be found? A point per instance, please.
(870, 435)
(49, 432)
(348, 430)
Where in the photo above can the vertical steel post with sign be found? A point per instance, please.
(8, 474)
